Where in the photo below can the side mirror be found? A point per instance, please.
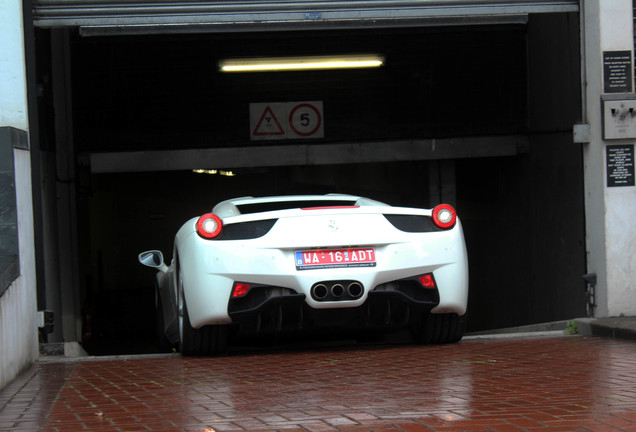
(154, 259)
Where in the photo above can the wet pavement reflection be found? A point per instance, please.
(514, 384)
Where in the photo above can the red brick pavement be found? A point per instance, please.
(504, 385)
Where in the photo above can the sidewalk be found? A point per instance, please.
(613, 327)
(547, 383)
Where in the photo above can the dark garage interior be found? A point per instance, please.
(522, 213)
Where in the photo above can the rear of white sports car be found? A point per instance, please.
(314, 262)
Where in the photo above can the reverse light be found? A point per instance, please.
(209, 226)
(240, 289)
(444, 216)
(427, 280)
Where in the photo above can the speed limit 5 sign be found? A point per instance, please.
(286, 120)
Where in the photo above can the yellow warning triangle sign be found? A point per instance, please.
(268, 124)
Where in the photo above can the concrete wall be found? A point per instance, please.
(18, 322)
(9, 263)
(611, 231)
(620, 202)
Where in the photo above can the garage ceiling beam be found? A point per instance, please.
(308, 154)
(99, 17)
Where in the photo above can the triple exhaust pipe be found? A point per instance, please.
(336, 290)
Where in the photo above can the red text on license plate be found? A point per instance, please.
(328, 258)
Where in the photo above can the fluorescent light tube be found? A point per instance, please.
(301, 63)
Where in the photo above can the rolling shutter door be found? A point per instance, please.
(95, 17)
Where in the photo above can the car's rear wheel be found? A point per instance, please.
(207, 340)
(439, 328)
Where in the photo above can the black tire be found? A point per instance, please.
(207, 340)
(439, 328)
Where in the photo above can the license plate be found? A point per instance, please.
(334, 258)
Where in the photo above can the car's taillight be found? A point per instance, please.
(427, 280)
(444, 216)
(209, 226)
(240, 289)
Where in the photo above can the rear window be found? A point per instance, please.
(285, 205)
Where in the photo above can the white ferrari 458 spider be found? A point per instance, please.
(309, 262)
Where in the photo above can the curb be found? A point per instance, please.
(614, 327)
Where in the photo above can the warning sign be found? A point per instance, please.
(286, 120)
(268, 124)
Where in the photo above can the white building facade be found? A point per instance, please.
(18, 316)
(610, 195)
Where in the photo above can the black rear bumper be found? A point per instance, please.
(274, 310)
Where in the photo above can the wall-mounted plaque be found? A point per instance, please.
(620, 165)
(617, 71)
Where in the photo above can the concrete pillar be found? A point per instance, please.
(18, 317)
(610, 223)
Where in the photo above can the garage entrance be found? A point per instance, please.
(475, 115)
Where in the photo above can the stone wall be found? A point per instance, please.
(9, 262)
